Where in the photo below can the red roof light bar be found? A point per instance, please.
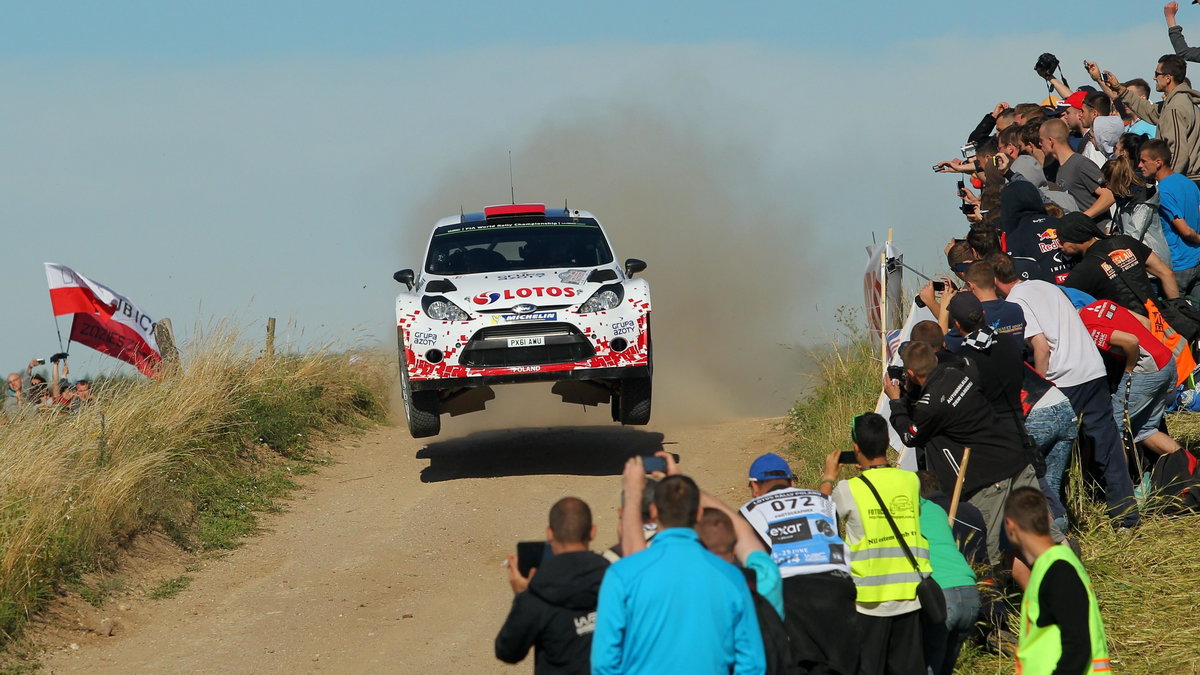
(514, 210)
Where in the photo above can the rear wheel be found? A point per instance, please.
(420, 407)
(633, 400)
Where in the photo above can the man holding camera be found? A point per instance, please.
(889, 613)
(940, 411)
(1178, 120)
(554, 610)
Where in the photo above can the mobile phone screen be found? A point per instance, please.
(652, 464)
(531, 554)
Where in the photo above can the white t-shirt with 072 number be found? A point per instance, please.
(800, 528)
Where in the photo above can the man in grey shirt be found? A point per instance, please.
(1078, 175)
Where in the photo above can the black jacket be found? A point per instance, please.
(1030, 233)
(556, 615)
(950, 413)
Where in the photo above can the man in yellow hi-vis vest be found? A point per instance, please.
(1061, 629)
(889, 622)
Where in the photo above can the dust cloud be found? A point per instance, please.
(726, 262)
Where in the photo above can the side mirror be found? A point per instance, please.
(406, 277)
(633, 266)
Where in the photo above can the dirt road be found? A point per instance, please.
(391, 559)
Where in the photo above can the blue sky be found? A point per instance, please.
(243, 160)
(174, 32)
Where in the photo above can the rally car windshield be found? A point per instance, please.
(473, 248)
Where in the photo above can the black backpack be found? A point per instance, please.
(777, 646)
(1177, 476)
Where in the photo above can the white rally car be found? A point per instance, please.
(522, 293)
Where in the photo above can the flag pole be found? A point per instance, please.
(883, 324)
(59, 331)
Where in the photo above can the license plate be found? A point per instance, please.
(536, 341)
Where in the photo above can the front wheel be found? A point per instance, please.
(633, 400)
(420, 407)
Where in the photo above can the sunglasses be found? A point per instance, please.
(853, 424)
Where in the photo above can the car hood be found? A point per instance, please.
(504, 290)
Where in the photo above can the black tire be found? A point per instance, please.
(634, 400)
(420, 407)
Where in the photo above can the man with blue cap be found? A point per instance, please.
(799, 526)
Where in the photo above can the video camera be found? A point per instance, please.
(1046, 65)
(61, 356)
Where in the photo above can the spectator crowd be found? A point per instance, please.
(35, 393)
(1062, 333)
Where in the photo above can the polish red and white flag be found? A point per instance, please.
(104, 319)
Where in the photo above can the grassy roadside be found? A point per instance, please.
(196, 455)
(1144, 579)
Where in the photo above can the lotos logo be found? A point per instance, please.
(522, 293)
(1049, 233)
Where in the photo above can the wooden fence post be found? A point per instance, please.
(165, 336)
(269, 352)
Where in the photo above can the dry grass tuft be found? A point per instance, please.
(73, 487)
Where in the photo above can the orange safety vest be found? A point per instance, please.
(1185, 363)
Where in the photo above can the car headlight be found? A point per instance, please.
(441, 309)
(606, 298)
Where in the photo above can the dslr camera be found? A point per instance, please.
(1046, 65)
(58, 357)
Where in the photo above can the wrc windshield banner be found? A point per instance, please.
(103, 319)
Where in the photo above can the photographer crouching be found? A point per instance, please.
(940, 410)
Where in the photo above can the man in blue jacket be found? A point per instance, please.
(675, 607)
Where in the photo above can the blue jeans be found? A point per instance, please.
(1148, 394)
(1054, 428)
(944, 641)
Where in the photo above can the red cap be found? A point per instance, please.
(1074, 100)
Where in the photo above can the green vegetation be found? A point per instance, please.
(197, 454)
(1144, 578)
(170, 588)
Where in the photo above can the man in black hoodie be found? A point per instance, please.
(1030, 233)
(554, 610)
